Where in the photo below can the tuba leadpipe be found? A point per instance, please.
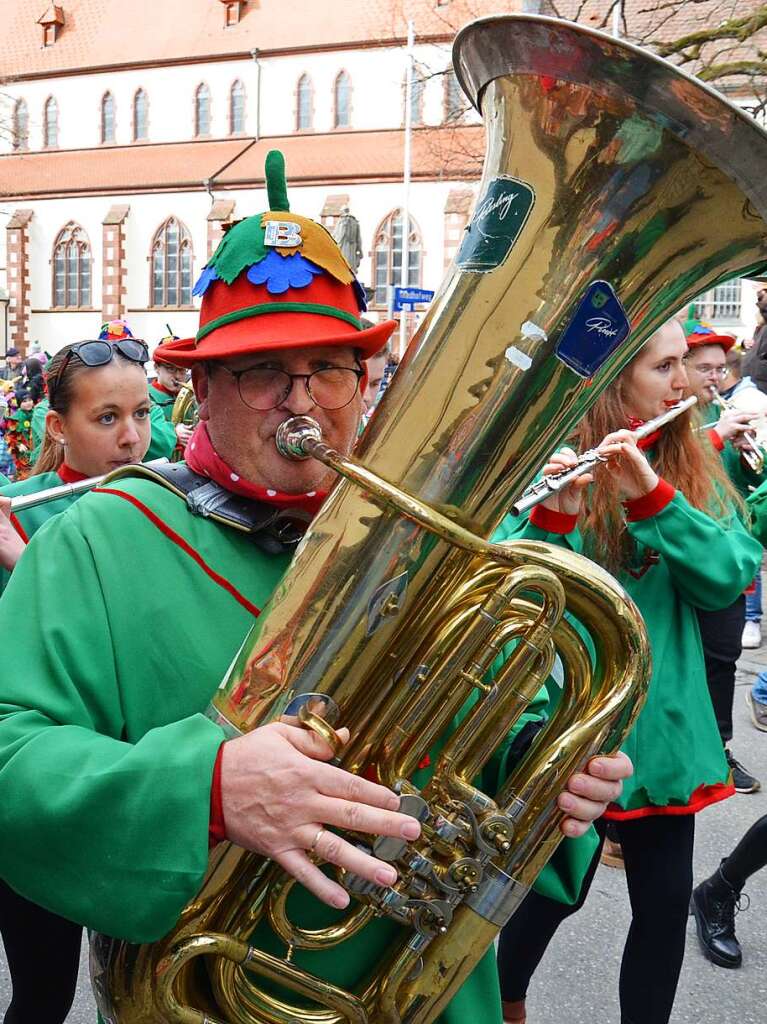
(608, 169)
(555, 482)
(24, 501)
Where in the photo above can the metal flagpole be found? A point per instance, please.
(406, 181)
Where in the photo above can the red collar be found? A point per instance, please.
(203, 458)
(69, 475)
(161, 387)
(651, 439)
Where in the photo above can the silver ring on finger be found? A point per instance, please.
(313, 847)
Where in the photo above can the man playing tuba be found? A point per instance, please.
(114, 784)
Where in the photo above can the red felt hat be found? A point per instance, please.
(702, 335)
(277, 280)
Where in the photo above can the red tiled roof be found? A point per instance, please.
(438, 153)
(102, 33)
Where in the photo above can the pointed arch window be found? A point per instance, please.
(21, 125)
(140, 116)
(108, 118)
(71, 268)
(237, 108)
(304, 101)
(342, 100)
(455, 101)
(172, 265)
(387, 255)
(202, 110)
(51, 123)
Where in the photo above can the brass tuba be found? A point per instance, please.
(607, 172)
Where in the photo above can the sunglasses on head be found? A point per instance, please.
(99, 353)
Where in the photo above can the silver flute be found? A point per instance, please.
(549, 485)
(25, 501)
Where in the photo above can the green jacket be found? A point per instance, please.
(106, 757)
(683, 560)
(160, 447)
(163, 401)
(32, 519)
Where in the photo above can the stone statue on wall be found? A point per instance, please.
(347, 234)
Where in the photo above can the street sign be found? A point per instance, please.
(409, 298)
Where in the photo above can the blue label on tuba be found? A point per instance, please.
(598, 327)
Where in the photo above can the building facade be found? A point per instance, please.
(129, 139)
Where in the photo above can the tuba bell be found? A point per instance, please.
(615, 188)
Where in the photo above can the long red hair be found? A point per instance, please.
(682, 455)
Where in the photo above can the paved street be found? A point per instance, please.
(577, 983)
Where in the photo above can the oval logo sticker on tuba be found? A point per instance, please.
(498, 219)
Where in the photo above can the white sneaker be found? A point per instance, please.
(752, 634)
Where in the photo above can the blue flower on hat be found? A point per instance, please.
(206, 278)
(279, 273)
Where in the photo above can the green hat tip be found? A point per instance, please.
(276, 186)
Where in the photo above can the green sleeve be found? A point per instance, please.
(163, 436)
(711, 561)
(757, 506)
(3, 480)
(742, 477)
(108, 833)
(38, 424)
(520, 528)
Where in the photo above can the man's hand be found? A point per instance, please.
(11, 544)
(183, 433)
(588, 793)
(733, 422)
(278, 795)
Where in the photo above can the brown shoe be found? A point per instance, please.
(612, 855)
(514, 1013)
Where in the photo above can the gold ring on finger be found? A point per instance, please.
(313, 847)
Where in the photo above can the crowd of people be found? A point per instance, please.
(114, 783)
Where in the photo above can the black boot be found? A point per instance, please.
(713, 905)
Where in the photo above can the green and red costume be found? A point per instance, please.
(107, 783)
(683, 559)
(18, 437)
(163, 398)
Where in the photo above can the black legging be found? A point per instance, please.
(657, 851)
(43, 953)
(721, 633)
(748, 857)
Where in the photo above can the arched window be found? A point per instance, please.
(304, 98)
(455, 101)
(202, 110)
(51, 123)
(387, 255)
(71, 268)
(140, 116)
(108, 118)
(20, 125)
(237, 108)
(172, 265)
(342, 100)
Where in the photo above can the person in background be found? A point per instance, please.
(660, 515)
(164, 390)
(18, 434)
(756, 695)
(98, 421)
(163, 440)
(13, 361)
(721, 629)
(755, 360)
(715, 901)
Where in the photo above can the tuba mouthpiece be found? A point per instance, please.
(293, 434)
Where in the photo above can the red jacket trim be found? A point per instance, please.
(716, 440)
(551, 521)
(187, 548)
(649, 504)
(702, 797)
(216, 826)
(19, 528)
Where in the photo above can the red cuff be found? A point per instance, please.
(716, 440)
(216, 827)
(649, 504)
(552, 522)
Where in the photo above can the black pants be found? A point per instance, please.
(748, 857)
(43, 952)
(658, 854)
(721, 633)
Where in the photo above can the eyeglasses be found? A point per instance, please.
(705, 370)
(99, 353)
(263, 388)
